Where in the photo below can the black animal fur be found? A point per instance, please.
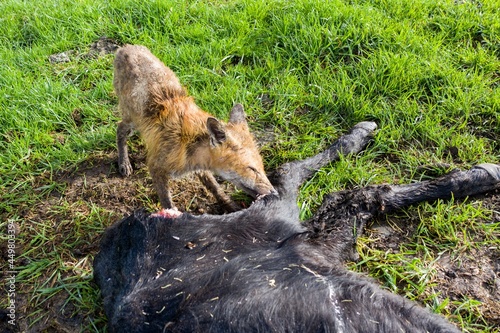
(260, 269)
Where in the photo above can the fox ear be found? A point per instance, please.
(237, 115)
(216, 131)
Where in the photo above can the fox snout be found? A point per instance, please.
(269, 192)
(265, 190)
(256, 189)
(260, 191)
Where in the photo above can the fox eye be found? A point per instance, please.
(253, 169)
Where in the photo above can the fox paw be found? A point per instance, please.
(125, 169)
(170, 213)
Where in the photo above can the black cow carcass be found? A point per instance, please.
(262, 270)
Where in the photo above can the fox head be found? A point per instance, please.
(235, 155)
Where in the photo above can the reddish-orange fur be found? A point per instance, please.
(179, 136)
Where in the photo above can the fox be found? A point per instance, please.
(179, 136)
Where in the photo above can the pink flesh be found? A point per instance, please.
(167, 213)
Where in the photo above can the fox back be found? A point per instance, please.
(179, 136)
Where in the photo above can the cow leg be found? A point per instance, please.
(344, 214)
(288, 177)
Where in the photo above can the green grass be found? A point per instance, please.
(426, 71)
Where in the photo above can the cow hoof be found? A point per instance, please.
(492, 169)
(369, 126)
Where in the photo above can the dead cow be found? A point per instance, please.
(260, 269)
(179, 136)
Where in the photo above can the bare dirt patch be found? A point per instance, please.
(101, 47)
(97, 181)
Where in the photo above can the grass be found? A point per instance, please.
(426, 71)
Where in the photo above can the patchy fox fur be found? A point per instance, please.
(179, 136)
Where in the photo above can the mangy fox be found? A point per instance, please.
(179, 136)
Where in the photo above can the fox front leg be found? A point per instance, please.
(208, 179)
(123, 131)
(160, 183)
